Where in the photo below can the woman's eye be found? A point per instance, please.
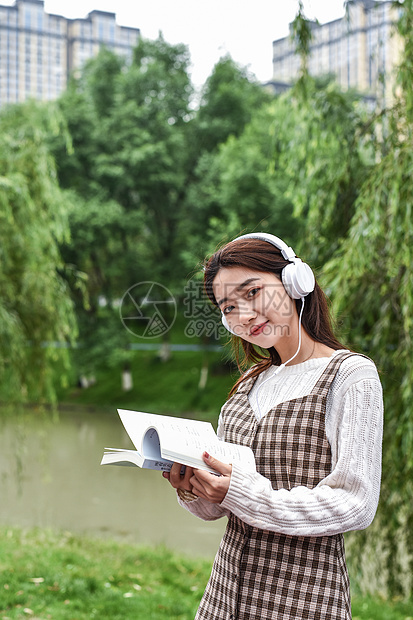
(228, 309)
(253, 292)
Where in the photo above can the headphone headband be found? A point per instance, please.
(287, 252)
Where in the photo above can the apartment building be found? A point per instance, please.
(39, 51)
(361, 50)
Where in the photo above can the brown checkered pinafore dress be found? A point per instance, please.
(258, 574)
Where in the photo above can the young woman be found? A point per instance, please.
(311, 410)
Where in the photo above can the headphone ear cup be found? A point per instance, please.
(225, 323)
(298, 279)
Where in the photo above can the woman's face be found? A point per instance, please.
(255, 305)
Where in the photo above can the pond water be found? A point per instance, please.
(50, 476)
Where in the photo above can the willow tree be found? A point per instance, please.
(351, 184)
(318, 146)
(371, 282)
(36, 317)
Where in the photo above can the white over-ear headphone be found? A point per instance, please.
(297, 277)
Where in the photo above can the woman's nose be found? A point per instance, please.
(246, 314)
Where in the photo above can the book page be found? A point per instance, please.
(233, 453)
(150, 444)
(118, 456)
(187, 437)
(173, 432)
(181, 440)
(191, 454)
(193, 440)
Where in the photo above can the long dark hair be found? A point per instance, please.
(260, 255)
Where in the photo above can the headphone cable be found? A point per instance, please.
(279, 368)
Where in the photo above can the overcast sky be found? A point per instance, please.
(244, 29)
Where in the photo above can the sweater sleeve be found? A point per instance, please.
(347, 498)
(204, 510)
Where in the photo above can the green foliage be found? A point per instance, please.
(323, 147)
(101, 246)
(324, 158)
(404, 28)
(296, 167)
(162, 83)
(134, 149)
(240, 187)
(35, 307)
(302, 35)
(127, 172)
(102, 93)
(230, 99)
(135, 144)
(230, 187)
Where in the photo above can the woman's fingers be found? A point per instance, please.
(202, 483)
(210, 486)
(180, 476)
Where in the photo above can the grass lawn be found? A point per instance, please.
(56, 575)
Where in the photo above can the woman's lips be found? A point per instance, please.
(258, 329)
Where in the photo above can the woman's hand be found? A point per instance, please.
(202, 483)
(209, 486)
(178, 479)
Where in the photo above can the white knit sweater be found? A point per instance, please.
(347, 498)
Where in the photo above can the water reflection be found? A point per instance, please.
(51, 477)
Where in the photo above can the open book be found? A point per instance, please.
(162, 440)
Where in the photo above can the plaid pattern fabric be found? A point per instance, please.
(258, 574)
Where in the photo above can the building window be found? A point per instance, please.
(27, 18)
(12, 18)
(27, 49)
